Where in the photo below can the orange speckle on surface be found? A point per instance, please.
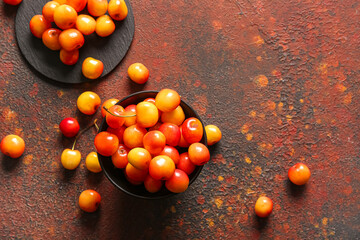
(316, 225)
(271, 105)
(258, 170)
(218, 202)
(302, 100)
(276, 73)
(259, 58)
(262, 115)
(205, 210)
(217, 25)
(323, 68)
(280, 106)
(210, 222)
(340, 87)
(245, 128)
(247, 159)
(220, 178)
(291, 107)
(28, 159)
(229, 209)
(9, 114)
(60, 93)
(288, 117)
(258, 40)
(307, 126)
(347, 98)
(250, 191)
(249, 136)
(173, 209)
(252, 113)
(318, 121)
(324, 221)
(261, 80)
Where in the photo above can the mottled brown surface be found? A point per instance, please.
(280, 78)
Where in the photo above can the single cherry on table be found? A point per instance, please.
(89, 200)
(69, 127)
(12, 146)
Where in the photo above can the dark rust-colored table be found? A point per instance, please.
(281, 80)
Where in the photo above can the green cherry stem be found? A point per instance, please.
(87, 128)
(123, 116)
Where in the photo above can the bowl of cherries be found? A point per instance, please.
(152, 144)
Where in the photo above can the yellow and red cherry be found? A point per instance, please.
(152, 100)
(139, 158)
(71, 39)
(161, 167)
(213, 134)
(69, 57)
(92, 162)
(12, 2)
(135, 174)
(65, 16)
(154, 142)
(108, 104)
(85, 24)
(120, 157)
(119, 132)
(176, 116)
(106, 143)
(171, 132)
(61, 1)
(88, 102)
(105, 26)
(192, 130)
(50, 39)
(12, 146)
(97, 7)
(92, 68)
(299, 174)
(133, 136)
(130, 110)
(117, 9)
(146, 114)
(152, 185)
(263, 207)
(167, 100)
(70, 158)
(89, 200)
(198, 154)
(49, 9)
(138, 73)
(171, 152)
(38, 25)
(78, 5)
(113, 118)
(185, 164)
(69, 127)
(183, 143)
(178, 182)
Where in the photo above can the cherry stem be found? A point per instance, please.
(123, 116)
(97, 127)
(87, 128)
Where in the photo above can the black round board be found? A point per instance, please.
(110, 50)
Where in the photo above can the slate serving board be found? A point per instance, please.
(110, 50)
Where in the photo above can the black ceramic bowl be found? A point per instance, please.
(117, 177)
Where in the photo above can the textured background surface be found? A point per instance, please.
(281, 79)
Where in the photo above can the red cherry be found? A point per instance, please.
(69, 127)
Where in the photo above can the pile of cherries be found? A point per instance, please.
(69, 36)
(142, 139)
